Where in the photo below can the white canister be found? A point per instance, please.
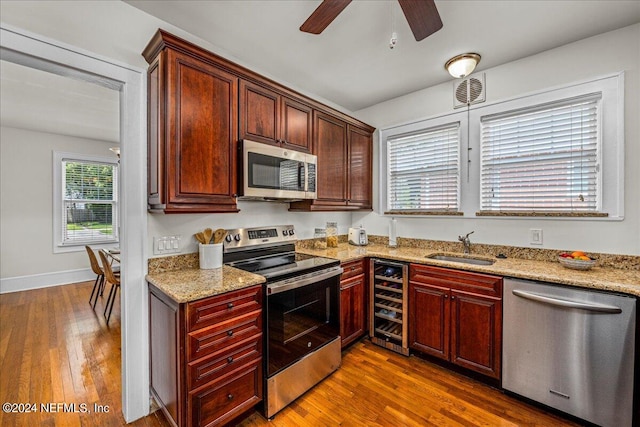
(210, 256)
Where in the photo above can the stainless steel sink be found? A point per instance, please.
(461, 259)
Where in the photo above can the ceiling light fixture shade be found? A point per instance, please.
(461, 66)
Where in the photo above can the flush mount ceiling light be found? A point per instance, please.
(461, 66)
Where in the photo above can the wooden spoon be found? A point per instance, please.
(200, 237)
(208, 234)
(219, 235)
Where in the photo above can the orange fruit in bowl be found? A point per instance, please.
(577, 254)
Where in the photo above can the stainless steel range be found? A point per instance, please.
(302, 312)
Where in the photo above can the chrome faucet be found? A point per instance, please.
(466, 243)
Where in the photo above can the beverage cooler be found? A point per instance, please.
(389, 309)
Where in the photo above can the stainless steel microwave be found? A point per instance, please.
(274, 173)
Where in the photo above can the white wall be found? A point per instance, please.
(26, 201)
(583, 60)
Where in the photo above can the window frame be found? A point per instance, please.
(457, 118)
(59, 246)
(610, 143)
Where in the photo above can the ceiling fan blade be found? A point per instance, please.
(323, 16)
(423, 17)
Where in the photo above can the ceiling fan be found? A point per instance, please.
(422, 16)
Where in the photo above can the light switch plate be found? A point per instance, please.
(166, 245)
(535, 236)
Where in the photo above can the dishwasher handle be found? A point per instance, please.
(552, 300)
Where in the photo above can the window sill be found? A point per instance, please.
(425, 213)
(546, 214)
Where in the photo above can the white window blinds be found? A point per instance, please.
(423, 170)
(542, 159)
(89, 197)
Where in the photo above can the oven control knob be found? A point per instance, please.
(228, 238)
(237, 237)
(291, 232)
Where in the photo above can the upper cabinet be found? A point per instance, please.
(344, 173)
(201, 105)
(269, 117)
(193, 117)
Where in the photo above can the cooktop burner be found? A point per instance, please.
(271, 266)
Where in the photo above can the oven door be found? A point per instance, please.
(303, 314)
(273, 172)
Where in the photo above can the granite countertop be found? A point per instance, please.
(190, 284)
(602, 278)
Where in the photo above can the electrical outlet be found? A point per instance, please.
(166, 245)
(535, 236)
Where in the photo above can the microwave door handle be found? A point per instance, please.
(301, 176)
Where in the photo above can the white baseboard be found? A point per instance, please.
(45, 280)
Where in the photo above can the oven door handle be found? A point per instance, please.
(305, 280)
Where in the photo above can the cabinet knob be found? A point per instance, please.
(229, 359)
(234, 195)
(353, 268)
(229, 332)
(230, 305)
(452, 297)
(230, 396)
(446, 296)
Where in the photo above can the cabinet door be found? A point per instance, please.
(476, 326)
(296, 122)
(360, 163)
(352, 309)
(259, 113)
(202, 129)
(429, 319)
(330, 145)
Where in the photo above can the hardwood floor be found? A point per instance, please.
(54, 348)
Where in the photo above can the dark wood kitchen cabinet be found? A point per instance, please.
(269, 117)
(206, 356)
(353, 302)
(345, 159)
(193, 128)
(456, 316)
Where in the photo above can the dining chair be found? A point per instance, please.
(115, 284)
(98, 285)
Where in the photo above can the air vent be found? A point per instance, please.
(469, 91)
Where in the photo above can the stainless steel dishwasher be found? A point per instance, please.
(570, 349)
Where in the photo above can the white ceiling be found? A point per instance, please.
(45, 102)
(351, 64)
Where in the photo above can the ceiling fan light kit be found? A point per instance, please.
(460, 66)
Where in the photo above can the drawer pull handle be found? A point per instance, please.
(229, 359)
(353, 268)
(230, 305)
(230, 333)
(230, 396)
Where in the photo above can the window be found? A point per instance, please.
(86, 197)
(423, 169)
(543, 158)
(550, 154)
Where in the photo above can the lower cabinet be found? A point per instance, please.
(206, 356)
(456, 316)
(353, 305)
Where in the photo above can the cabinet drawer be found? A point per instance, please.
(223, 362)
(221, 401)
(222, 307)
(220, 336)
(352, 269)
(476, 283)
